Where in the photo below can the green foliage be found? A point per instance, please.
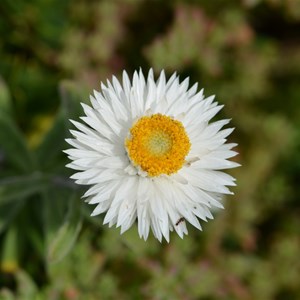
(61, 229)
(245, 52)
(13, 146)
(39, 207)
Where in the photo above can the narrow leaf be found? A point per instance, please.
(63, 222)
(50, 149)
(20, 187)
(5, 98)
(8, 211)
(9, 260)
(13, 148)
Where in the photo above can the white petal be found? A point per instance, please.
(206, 180)
(215, 163)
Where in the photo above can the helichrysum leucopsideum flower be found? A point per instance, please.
(149, 153)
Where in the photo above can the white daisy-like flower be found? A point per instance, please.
(149, 153)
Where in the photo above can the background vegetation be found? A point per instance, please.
(53, 53)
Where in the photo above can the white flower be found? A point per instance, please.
(149, 154)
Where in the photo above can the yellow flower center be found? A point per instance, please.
(158, 144)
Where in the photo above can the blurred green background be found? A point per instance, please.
(53, 53)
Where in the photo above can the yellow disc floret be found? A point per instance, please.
(158, 145)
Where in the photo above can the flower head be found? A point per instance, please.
(148, 152)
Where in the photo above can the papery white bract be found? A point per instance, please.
(149, 153)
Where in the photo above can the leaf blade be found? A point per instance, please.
(63, 222)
